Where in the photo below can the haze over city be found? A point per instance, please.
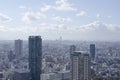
(71, 19)
(59, 40)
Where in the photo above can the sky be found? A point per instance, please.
(70, 19)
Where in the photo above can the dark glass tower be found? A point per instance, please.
(35, 57)
(92, 51)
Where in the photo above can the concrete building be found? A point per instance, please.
(80, 61)
(1, 76)
(21, 75)
(11, 56)
(35, 57)
(63, 75)
(18, 48)
(72, 48)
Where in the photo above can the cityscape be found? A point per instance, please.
(38, 59)
(59, 40)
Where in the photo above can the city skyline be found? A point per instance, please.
(73, 20)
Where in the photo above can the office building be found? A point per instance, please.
(1, 76)
(20, 75)
(80, 70)
(72, 48)
(92, 51)
(10, 55)
(62, 75)
(18, 48)
(35, 57)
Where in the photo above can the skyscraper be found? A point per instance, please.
(72, 48)
(92, 51)
(18, 48)
(10, 55)
(80, 65)
(35, 57)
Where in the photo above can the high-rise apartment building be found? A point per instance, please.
(18, 48)
(92, 51)
(80, 65)
(35, 57)
(72, 48)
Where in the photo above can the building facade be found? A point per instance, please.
(80, 70)
(92, 51)
(20, 75)
(35, 57)
(18, 48)
(72, 48)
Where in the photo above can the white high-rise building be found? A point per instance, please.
(80, 61)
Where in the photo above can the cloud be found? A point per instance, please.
(92, 31)
(22, 7)
(32, 16)
(4, 18)
(61, 19)
(91, 27)
(64, 5)
(60, 5)
(81, 13)
(46, 8)
(99, 27)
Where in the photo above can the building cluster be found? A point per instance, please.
(58, 60)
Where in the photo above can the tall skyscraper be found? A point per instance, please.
(80, 65)
(18, 48)
(92, 51)
(35, 57)
(72, 49)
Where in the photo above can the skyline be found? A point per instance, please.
(73, 20)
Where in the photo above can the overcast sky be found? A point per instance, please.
(71, 19)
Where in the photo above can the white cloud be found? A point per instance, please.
(64, 5)
(61, 19)
(92, 31)
(99, 27)
(94, 26)
(81, 13)
(46, 8)
(22, 7)
(4, 18)
(32, 16)
(60, 5)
